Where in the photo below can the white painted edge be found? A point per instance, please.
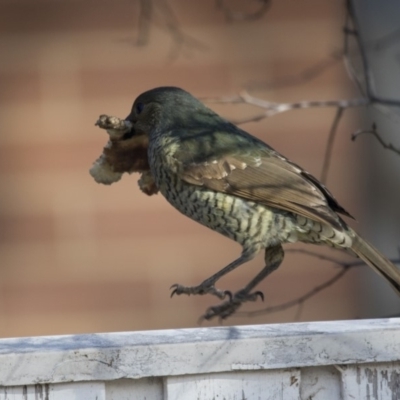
(110, 356)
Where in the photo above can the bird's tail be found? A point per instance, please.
(377, 261)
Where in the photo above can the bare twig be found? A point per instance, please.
(329, 145)
(299, 78)
(299, 301)
(390, 39)
(273, 108)
(349, 32)
(145, 16)
(324, 257)
(182, 44)
(369, 83)
(231, 15)
(375, 133)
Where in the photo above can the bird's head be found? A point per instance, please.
(165, 108)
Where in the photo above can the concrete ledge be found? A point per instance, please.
(135, 355)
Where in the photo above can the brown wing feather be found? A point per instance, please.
(264, 177)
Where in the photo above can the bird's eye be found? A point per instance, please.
(139, 107)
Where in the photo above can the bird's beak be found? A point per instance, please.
(131, 132)
(131, 118)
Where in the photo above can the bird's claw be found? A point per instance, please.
(254, 296)
(227, 308)
(180, 289)
(229, 294)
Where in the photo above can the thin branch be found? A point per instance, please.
(302, 77)
(145, 16)
(299, 301)
(361, 81)
(182, 44)
(273, 108)
(329, 145)
(369, 83)
(241, 16)
(375, 133)
(334, 260)
(349, 32)
(323, 257)
(390, 39)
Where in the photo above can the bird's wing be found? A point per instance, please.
(254, 171)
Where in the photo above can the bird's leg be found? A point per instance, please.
(207, 286)
(273, 258)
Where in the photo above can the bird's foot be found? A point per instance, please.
(227, 308)
(116, 127)
(200, 289)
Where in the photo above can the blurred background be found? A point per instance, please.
(76, 256)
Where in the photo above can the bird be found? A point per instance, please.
(237, 185)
